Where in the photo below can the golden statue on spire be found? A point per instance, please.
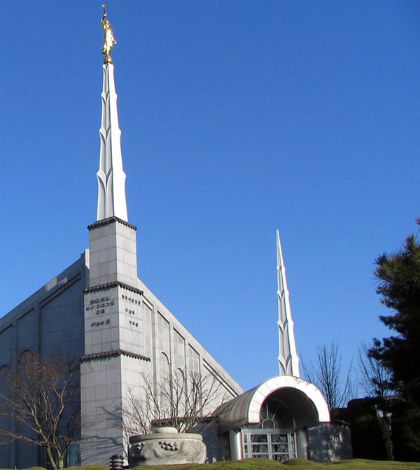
(109, 40)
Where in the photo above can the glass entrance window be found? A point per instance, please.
(268, 444)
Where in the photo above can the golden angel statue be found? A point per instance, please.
(109, 40)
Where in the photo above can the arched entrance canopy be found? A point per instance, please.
(302, 398)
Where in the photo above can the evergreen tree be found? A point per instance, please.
(399, 287)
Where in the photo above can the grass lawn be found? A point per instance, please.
(260, 464)
(298, 464)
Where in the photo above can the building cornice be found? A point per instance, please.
(111, 354)
(111, 285)
(110, 220)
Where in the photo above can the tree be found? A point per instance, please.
(375, 381)
(399, 287)
(328, 376)
(177, 401)
(40, 400)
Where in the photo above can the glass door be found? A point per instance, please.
(268, 444)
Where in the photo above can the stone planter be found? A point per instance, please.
(165, 447)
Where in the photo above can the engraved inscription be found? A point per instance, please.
(99, 305)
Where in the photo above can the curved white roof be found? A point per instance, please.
(301, 396)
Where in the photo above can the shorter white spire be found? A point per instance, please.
(111, 176)
(288, 358)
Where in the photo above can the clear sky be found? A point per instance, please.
(238, 117)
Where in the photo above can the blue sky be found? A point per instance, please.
(237, 118)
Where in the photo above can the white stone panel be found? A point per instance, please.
(111, 176)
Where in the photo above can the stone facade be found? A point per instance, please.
(99, 312)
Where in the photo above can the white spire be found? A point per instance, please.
(288, 358)
(111, 176)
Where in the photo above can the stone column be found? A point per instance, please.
(235, 443)
(301, 444)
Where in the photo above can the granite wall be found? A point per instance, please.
(49, 323)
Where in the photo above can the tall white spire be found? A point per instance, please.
(111, 176)
(288, 358)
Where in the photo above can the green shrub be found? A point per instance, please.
(305, 462)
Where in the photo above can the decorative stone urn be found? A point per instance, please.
(165, 446)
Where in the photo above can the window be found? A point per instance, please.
(268, 444)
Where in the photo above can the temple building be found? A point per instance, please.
(100, 313)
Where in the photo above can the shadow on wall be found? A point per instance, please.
(329, 442)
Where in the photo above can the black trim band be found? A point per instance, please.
(111, 354)
(110, 285)
(110, 220)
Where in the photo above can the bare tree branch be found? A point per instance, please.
(179, 401)
(375, 379)
(327, 375)
(40, 398)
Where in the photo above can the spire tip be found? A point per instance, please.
(109, 39)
